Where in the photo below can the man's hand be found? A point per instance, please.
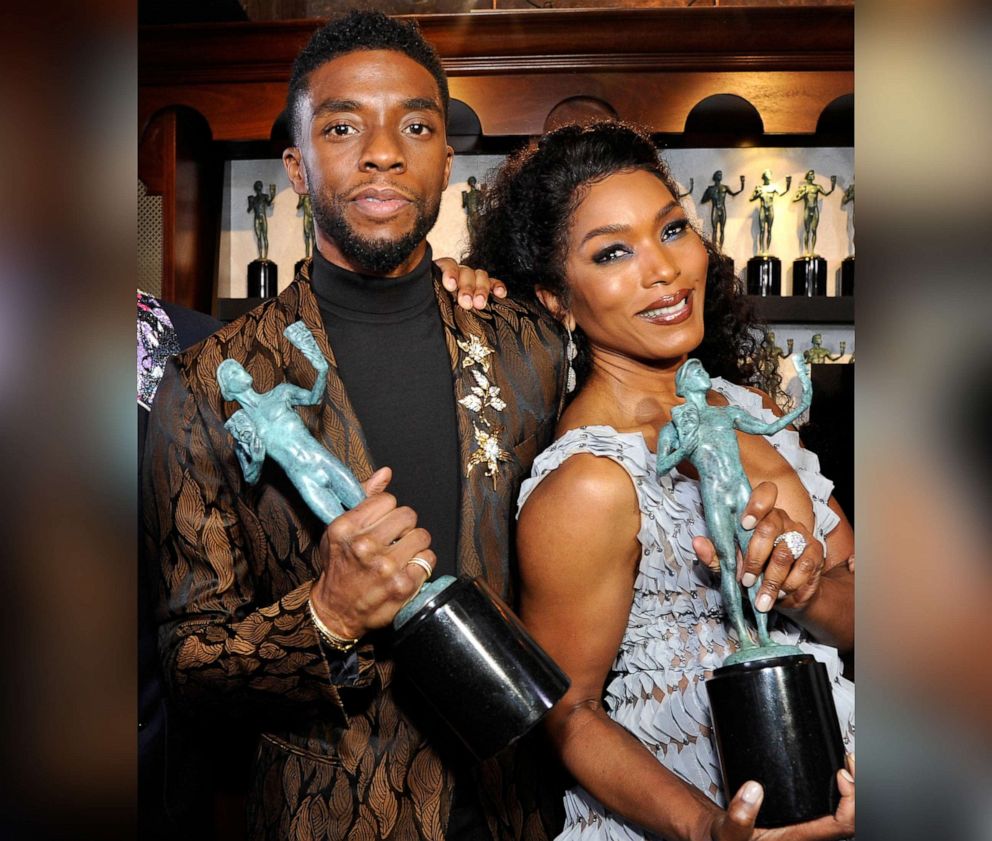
(366, 554)
(470, 288)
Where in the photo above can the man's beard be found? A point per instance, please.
(372, 256)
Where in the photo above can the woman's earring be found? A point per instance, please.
(571, 351)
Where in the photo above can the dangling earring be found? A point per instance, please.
(571, 351)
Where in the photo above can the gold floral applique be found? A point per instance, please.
(475, 353)
(489, 452)
(484, 401)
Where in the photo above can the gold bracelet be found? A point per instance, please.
(333, 640)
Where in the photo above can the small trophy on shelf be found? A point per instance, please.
(764, 272)
(767, 361)
(847, 264)
(818, 354)
(263, 274)
(809, 272)
(716, 194)
(308, 234)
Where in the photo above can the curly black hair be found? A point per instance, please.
(521, 236)
(360, 30)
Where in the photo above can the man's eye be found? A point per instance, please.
(418, 129)
(340, 130)
(610, 253)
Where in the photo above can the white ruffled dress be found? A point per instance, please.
(676, 634)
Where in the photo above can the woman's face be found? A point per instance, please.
(636, 270)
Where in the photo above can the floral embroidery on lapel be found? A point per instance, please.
(484, 394)
(489, 452)
(475, 353)
(483, 400)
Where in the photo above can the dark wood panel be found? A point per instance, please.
(804, 310)
(577, 39)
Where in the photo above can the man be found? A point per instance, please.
(265, 613)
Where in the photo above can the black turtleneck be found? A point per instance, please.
(388, 342)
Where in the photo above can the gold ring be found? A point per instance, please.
(424, 565)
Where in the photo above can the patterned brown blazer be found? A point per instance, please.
(340, 755)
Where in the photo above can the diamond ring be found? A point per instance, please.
(794, 540)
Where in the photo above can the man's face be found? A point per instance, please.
(374, 157)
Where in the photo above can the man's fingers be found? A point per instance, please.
(416, 569)
(388, 529)
(498, 287)
(761, 501)
(378, 481)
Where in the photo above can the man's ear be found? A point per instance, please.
(449, 157)
(552, 303)
(292, 159)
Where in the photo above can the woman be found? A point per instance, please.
(588, 223)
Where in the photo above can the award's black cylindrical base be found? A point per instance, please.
(809, 276)
(764, 276)
(774, 721)
(477, 665)
(847, 276)
(263, 279)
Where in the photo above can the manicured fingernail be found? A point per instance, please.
(748, 579)
(500, 292)
(480, 300)
(751, 792)
(749, 521)
(846, 775)
(465, 300)
(764, 603)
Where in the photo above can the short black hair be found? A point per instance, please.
(360, 30)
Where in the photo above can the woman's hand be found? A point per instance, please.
(790, 582)
(470, 288)
(737, 822)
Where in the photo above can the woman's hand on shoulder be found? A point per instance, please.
(469, 287)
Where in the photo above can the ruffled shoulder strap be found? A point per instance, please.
(803, 461)
(625, 448)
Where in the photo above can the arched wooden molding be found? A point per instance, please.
(579, 110)
(724, 113)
